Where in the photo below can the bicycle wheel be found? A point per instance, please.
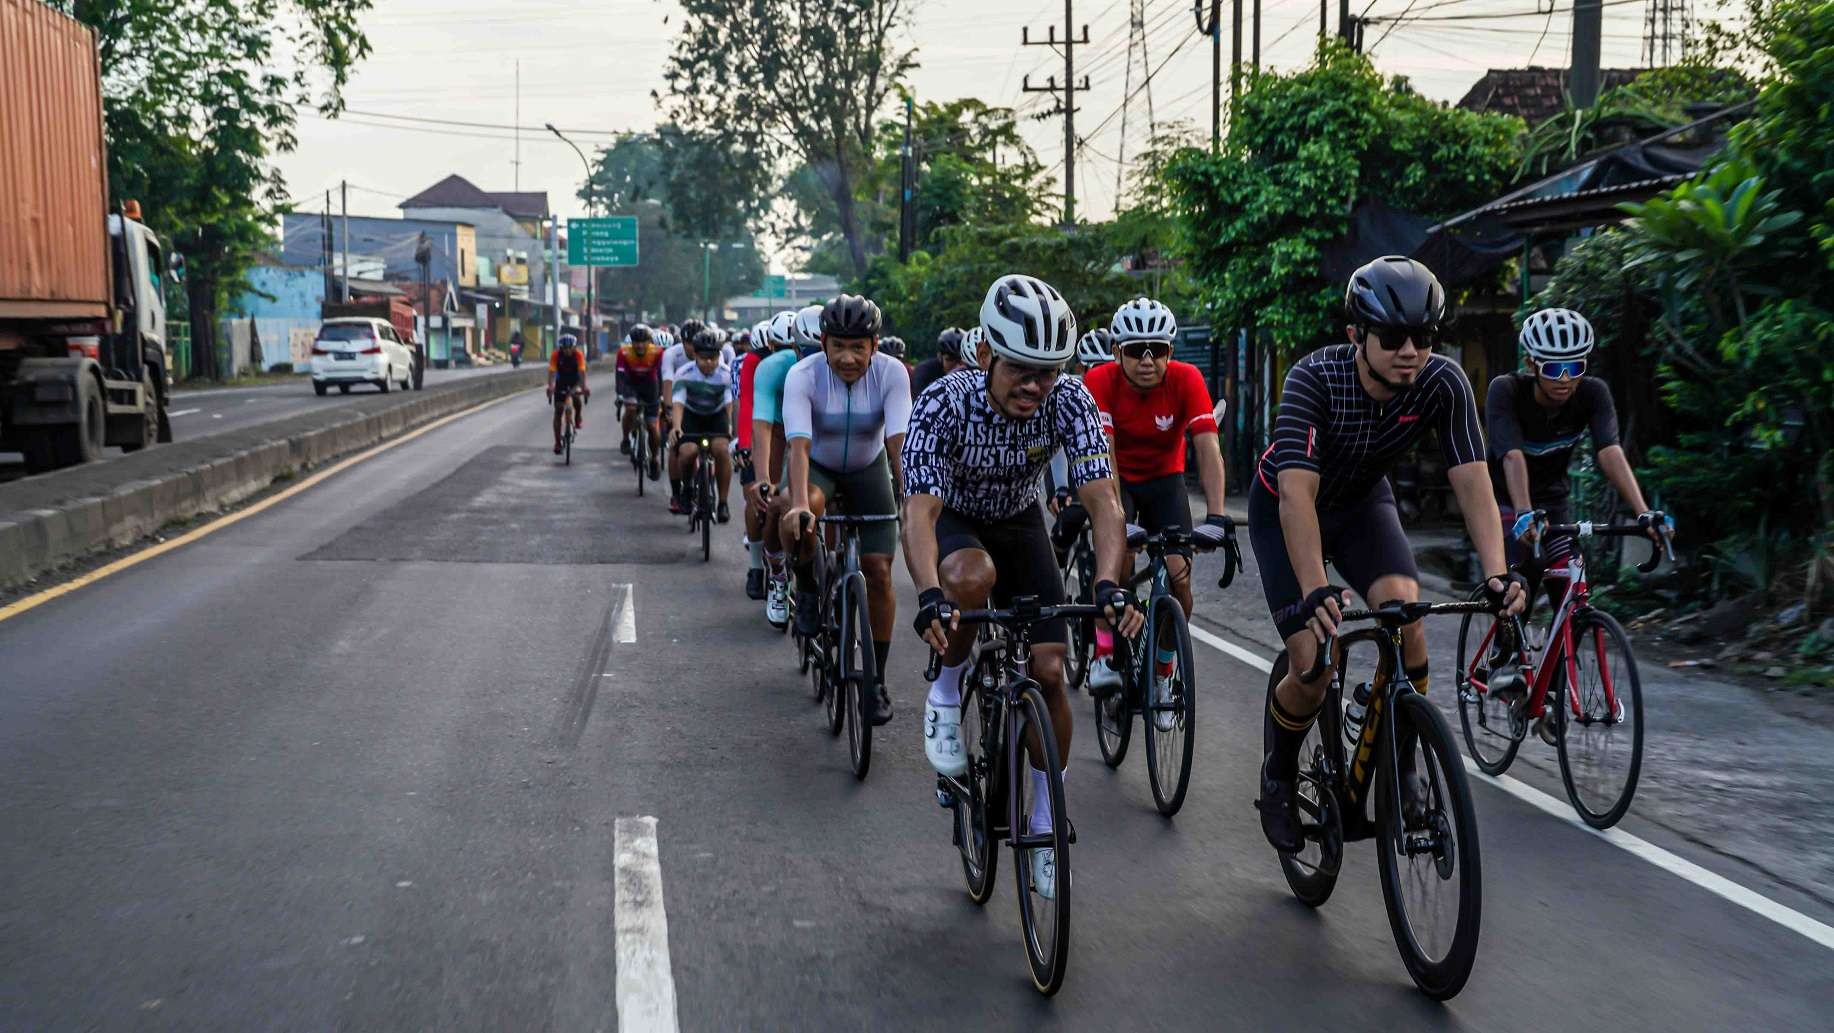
(1432, 879)
(1078, 579)
(1044, 922)
(566, 438)
(1493, 729)
(639, 454)
(703, 501)
(858, 674)
(1312, 872)
(1168, 749)
(1601, 747)
(975, 816)
(1114, 730)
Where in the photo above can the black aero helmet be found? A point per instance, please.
(707, 342)
(893, 346)
(949, 342)
(639, 334)
(1395, 291)
(690, 329)
(851, 316)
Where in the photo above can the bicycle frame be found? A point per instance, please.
(1560, 648)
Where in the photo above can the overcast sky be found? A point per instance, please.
(590, 66)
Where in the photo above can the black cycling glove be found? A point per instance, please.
(1498, 597)
(932, 606)
(1315, 599)
(1216, 529)
(1111, 596)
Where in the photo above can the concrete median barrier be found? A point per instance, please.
(58, 518)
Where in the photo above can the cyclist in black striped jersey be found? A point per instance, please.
(1348, 413)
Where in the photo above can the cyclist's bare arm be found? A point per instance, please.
(1477, 501)
(797, 466)
(1210, 470)
(1108, 529)
(919, 534)
(1616, 467)
(1515, 476)
(1299, 526)
(894, 454)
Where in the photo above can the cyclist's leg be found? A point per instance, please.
(1163, 505)
(1023, 563)
(802, 546)
(722, 465)
(1381, 569)
(560, 401)
(1292, 704)
(868, 492)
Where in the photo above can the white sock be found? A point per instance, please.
(1039, 821)
(946, 690)
(757, 554)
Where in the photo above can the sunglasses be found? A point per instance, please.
(1033, 375)
(1563, 369)
(1390, 337)
(1146, 349)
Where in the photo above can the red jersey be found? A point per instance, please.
(748, 366)
(1148, 427)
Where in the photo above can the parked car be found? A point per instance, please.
(360, 351)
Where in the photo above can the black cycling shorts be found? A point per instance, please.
(646, 393)
(1158, 505)
(1363, 541)
(704, 425)
(1023, 563)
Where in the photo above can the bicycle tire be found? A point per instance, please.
(640, 453)
(1442, 977)
(1168, 753)
(1312, 879)
(703, 501)
(858, 672)
(1047, 962)
(1077, 582)
(1601, 629)
(1114, 731)
(979, 846)
(1475, 719)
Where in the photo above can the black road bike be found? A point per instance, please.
(700, 500)
(839, 660)
(1003, 716)
(640, 442)
(1425, 824)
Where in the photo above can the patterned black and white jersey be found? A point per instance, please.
(1328, 424)
(986, 466)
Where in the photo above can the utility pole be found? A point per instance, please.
(1257, 37)
(1235, 54)
(553, 264)
(592, 336)
(1214, 30)
(324, 246)
(344, 192)
(517, 160)
(1588, 24)
(1070, 89)
(907, 176)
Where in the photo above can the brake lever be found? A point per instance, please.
(1232, 563)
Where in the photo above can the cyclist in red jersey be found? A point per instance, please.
(1149, 403)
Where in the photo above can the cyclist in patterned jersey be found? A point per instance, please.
(978, 442)
(788, 336)
(845, 410)
(703, 409)
(1149, 402)
(1348, 413)
(639, 386)
(1535, 418)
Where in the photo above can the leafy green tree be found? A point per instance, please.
(1658, 99)
(198, 96)
(1303, 150)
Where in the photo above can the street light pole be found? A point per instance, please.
(592, 336)
(706, 273)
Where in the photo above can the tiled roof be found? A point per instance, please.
(528, 204)
(1536, 94)
(455, 191)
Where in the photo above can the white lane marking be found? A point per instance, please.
(626, 608)
(216, 415)
(1674, 864)
(646, 984)
(182, 412)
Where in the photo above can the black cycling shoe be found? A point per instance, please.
(624, 445)
(882, 711)
(1279, 809)
(808, 614)
(754, 584)
(722, 514)
(655, 470)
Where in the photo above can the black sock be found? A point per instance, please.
(1419, 676)
(1283, 734)
(880, 651)
(805, 577)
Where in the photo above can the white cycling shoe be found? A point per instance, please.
(1044, 872)
(1164, 720)
(1103, 678)
(942, 740)
(777, 604)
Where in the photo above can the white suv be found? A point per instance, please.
(355, 350)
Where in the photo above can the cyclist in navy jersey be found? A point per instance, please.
(1348, 413)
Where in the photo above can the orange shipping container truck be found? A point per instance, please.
(83, 360)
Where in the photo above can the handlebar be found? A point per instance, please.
(1157, 544)
(1023, 613)
(1659, 547)
(1394, 615)
(874, 518)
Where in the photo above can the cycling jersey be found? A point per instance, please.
(677, 356)
(748, 370)
(928, 372)
(983, 465)
(846, 424)
(767, 385)
(639, 379)
(1328, 424)
(1546, 437)
(1149, 427)
(704, 394)
(570, 373)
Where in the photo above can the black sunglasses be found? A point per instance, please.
(1142, 349)
(1390, 336)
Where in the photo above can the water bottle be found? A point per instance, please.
(1354, 712)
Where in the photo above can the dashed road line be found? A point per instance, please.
(1714, 883)
(626, 614)
(182, 412)
(646, 982)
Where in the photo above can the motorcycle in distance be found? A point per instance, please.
(515, 355)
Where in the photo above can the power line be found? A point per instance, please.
(1099, 126)
(1501, 14)
(488, 125)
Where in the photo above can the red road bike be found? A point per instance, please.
(1582, 658)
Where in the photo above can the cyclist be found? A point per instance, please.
(703, 409)
(1092, 349)
(760, 347)
(567, 377)
(894, 347)
(971, 347)
(1149, 402)
(845, 411)
(768, 449)
(1535, 418)
(639, 379)
(948, 359)
(978, 441)
(1349, 412)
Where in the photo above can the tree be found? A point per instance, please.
(197, 97)
(1302, 151)
(814, 80)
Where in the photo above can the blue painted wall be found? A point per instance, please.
(296, 295)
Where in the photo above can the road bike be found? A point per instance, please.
(1004, 718)
(700, 497)
(639, 442)
(839, 659)
(1425, 823)
(568, 425)
(1582, 655)
(1077, 558)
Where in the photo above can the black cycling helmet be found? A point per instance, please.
(851, 316)
(639, 334)
(1395, 291)
(707, 342)
(949, 342)
(690, 329)
(893, 346)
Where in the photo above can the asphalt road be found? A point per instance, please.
(359, 762)
(201, 413)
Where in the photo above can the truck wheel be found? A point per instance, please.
(83, 442)
(150, 413)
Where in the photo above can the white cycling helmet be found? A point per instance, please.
(760, 336)
(1143, 319)
(1553, 334)
(1095, 347)
(807, 328)
(971, 347)
(1026, 320)
(664, 339)
(782, 329)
